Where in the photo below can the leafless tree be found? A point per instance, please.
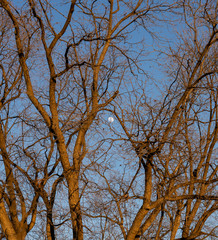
(171, 142)
(71, 70)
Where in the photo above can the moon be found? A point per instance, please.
(110, 119)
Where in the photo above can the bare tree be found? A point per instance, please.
(171, 143)
(71, 70)
(149, 175)
(14, 209)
